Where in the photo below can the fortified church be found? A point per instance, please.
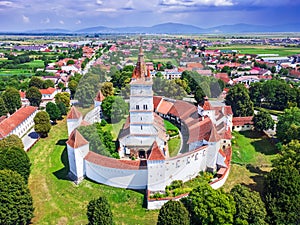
(205, 141)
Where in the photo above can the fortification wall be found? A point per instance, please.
(121, 178)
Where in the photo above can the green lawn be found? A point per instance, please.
(251, 147)
(174, 146)
(59, 201)
(249, 49)
(174, 143)
(114, 128)
(35, 64)
(252, 153)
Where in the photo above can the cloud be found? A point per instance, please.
(25, 19)
(45, 21)
(61, 22)
(195, 3)
(99, 2)
(6, 3)
(106, 10)
(78, 22)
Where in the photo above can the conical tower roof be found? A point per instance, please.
(99, 97)
(74, 113)
(156, 153)
(76, 140)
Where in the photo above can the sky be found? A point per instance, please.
(24, 15)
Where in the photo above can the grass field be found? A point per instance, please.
(59, 201)
(114, 128)
(174, 146)
(15, 72)
(251, 147)
(252, 154)
(261, 49)
(35, 64)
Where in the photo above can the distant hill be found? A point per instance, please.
(52, 30)
(178, 28)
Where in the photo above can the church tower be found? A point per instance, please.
(141, 128)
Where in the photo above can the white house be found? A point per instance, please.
(19, 122)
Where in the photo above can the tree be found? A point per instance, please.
(48, 83)
(12, 99)
(42, 123)
(239, 100)
(99, 212)
(72, 85)
(114, 108)
(34, 96)
(16, 201)
(209, 206)
(3, 109)
(53, 111)
(256, 93)
(282, 195)
(63, 97)
(36, 82)
(288, 126)
(250, 209)
(173, 213)
(263, 121)
(199, 95)
(107, 89)
(62, 108)
(15, 159)
(11, 141)
(289, 155)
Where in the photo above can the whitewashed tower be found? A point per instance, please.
(142, 130)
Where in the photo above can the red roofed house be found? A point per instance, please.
(242, 123)
(19, 122)
(47, 96)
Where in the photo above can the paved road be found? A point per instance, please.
(29, 139)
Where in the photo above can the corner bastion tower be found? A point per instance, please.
(143, 127)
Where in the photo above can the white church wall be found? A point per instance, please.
(211, 154)
(71, 158)
(221, 181)
(135, 89)
(80, 153)
(93, 116)
(156, 175)
(138, 141)
(147, 129)
(73, 124)
(185, 167)
(141, 117)
(121, 178)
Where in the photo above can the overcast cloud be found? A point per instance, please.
(20, 15)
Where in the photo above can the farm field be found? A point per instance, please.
(261, 49)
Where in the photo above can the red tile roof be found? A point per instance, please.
(47, 91)
(156, 101)
(206, 105)
(12, 122)
(240, 121)
(200, 131)
(164, 107)
(156, 153)
(214, 136)
(223, 76)
(76, 140)
(115, 163)
(74, 113)
(100, 97)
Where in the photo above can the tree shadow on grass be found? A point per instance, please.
(122, 197)
(62, 174)
(258, 179)
(61, 142)
(264, 146)
(252, 134)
